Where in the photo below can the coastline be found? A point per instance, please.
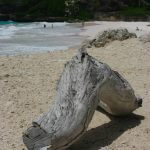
(28, 87)
(39, 39)
(27, 38)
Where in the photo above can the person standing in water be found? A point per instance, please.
(83, 23)
(44, 25)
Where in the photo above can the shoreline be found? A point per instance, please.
(19, 39)
(91, 29)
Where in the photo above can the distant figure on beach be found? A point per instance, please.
(83, 23)
(137, 29)
(52, 26)
(44, 25)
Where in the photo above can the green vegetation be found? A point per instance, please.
(85, 15)
(47, 8)
(44, 7)
(73, 9)
(76, 10)
(135, 11)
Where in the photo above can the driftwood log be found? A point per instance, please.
(83, 84)
(117, 97)
(76, 101)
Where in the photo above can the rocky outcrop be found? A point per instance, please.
(108, 36)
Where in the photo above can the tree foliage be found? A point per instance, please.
(82, 9)
(46, 7)
(71, 7)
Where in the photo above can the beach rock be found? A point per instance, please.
(111, 35)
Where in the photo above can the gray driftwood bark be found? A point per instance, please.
(117, 96)
(76, 100)
(83, 83)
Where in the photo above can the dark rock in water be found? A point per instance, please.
(108, 36)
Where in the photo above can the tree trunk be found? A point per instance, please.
(76, 100)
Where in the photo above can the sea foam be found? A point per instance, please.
(33, 37)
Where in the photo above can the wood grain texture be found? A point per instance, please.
(84, 84)
(76, 100)
(117, 96)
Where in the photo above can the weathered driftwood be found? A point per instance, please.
(84, 82)
(117, 96)
(76, 100)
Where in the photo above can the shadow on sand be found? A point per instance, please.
(105, 134)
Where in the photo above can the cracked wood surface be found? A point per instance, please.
(76, 100)
(117, 96)
(84, 84)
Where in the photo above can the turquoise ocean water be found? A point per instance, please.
(24, 38)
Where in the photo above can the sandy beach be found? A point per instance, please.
(28, 87)
(93, 28)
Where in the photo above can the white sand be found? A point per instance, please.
(99, 26)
